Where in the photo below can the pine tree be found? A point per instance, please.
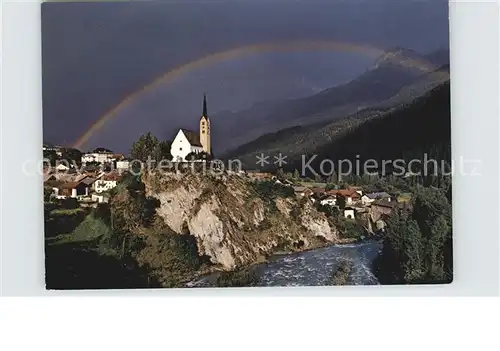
(144, 147)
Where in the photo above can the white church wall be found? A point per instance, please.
(181, 147)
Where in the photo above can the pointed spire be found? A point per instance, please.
(204, 105)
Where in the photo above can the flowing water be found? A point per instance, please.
(315, 267)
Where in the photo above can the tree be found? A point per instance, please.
(341, 202)
(347, 228)
(432, 212)
(280, 174)
(330, 211)
(162, 151)
(130, 209)
(192, 156)
(47, 193)
(413, 250)
(417, 246)
(145, 147)
(51, 156)
(404, 251)
(332, 178)
(92, 166)
(330, 186)
(72, 155)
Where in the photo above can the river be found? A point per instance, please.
(315, 267)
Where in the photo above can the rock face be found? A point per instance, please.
(233, 223)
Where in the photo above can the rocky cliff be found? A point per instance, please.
(235, 221)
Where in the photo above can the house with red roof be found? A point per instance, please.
(351, 196)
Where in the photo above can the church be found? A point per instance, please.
(187, 141)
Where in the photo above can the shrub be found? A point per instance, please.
(331, 186)
(90, 229)
(69, 203)
(63, 221)
(239, 278)
(342, 273)
(47, 193)
(348, 228)
(329, 211)
(270, 190)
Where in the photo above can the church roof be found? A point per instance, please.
(204, 113)
(192, 137)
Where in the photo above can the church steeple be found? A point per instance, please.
(205, 106)
(205, 128)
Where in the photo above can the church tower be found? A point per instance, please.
(205, 128)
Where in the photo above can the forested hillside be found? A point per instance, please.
(405, 133)
(409, 131)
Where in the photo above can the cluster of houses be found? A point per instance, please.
(87, 187)
(104, 156)
(99, 156)
(355, 204)
(58, 150)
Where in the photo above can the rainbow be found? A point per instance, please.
(294, 46)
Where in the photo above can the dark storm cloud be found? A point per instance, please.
(94, 54)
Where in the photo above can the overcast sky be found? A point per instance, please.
(95, 54)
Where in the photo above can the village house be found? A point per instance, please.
(319, 193)
(101, 156)
(350, 196)
(357, 189)
(62, 168)
(187, 142)
(349, 213)
(302, 191)
(69, 177)
(330, 200)
(70, 190)
(69, 185)
(89, 181)
(48, 176)
(101, 198)
(53, 148)
(106, 182)
(376, 196)
(380, 208)
(122, 165)
(368, 199)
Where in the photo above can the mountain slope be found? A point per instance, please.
(406, 133)
(300, 140)
(409, 131)
(391, 72)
